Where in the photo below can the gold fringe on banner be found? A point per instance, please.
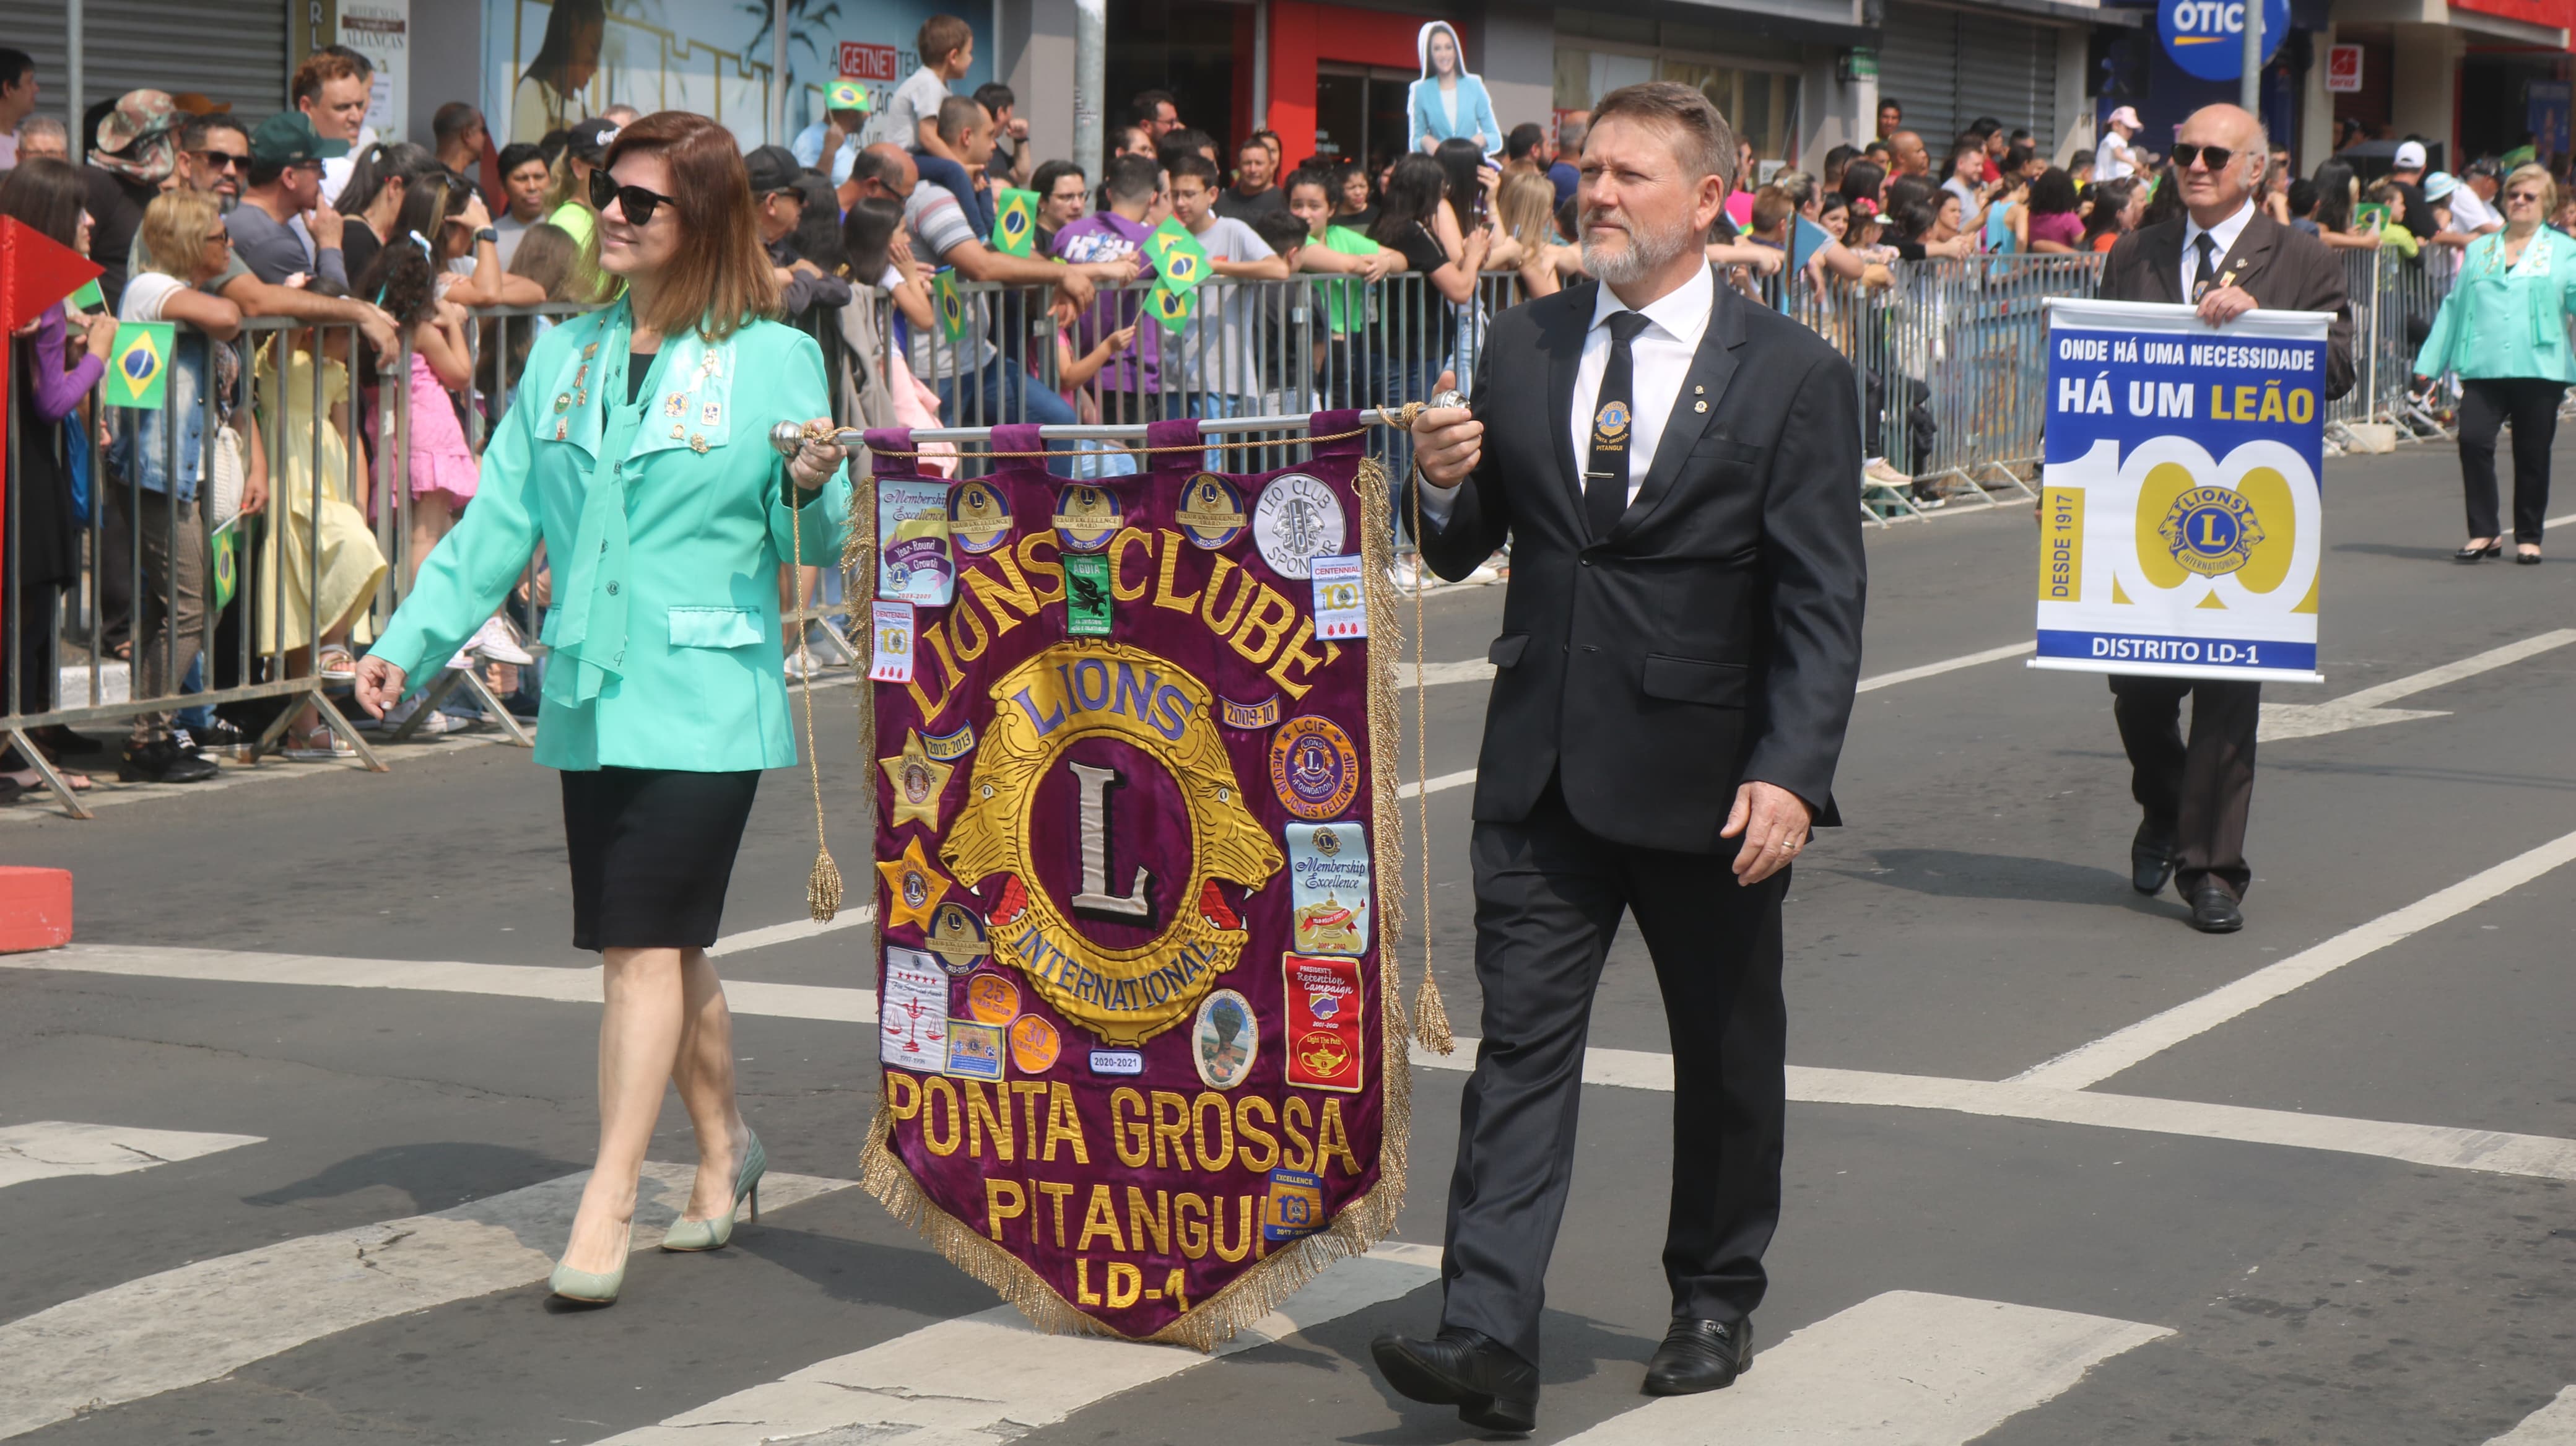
(1364, 1221)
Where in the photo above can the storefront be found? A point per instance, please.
(233, 53)
(1752, 79)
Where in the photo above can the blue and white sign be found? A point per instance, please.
(2181, 532)
(2207, 37)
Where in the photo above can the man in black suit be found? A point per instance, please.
(1678, 469)
(2226, 257)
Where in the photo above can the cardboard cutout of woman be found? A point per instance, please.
(1447, 102)
(548, 95)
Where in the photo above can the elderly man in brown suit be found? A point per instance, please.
(2224, 256)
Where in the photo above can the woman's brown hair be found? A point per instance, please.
(720, 278)
(47, 195)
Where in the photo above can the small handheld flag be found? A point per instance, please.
(1015, 221)
(1171, 309)
(139, 375)
(227, 563)
(951, 304)
(845, 95)
(1178, 255)
(89, 297)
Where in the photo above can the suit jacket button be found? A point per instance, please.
(1589, 648)
(1587, 562)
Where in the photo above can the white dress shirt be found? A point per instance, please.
(2470, 213)
(1658, 360)
(2224, 234)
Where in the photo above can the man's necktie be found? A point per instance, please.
(1614, 430)
(2207, 276)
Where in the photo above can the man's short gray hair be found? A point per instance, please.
(42, 127)
(1704, 141)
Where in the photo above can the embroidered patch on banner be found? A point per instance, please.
(1211, 511)
(957, 937)
(1087, 597)
(1250, 716)
(1341, 608)
(1328, 881)
(1087, 517)
(1297, 520)
(890, 657)
(1117, 1061)
(991, 998)
(918, 781)
(1325, 1007)
(913, 888)
(913, 564)
(1034, 1045)
(974, 1050)
(949, 747)
(1313, 767)
(1294, 1206)
(912, 1012)
(1224, 1040)
(979, 516)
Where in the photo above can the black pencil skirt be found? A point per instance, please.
(652, 851)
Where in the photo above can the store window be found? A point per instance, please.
(1752, 82)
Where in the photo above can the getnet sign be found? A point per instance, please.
(2207, 37)
(2181, 530)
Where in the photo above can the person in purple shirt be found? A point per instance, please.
(1113, 234)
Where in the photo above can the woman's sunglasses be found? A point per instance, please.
(2214, 157)
(637, 203)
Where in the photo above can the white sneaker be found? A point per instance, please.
(430, 727)
(1878, 470)
(493, 641)
(798, 669)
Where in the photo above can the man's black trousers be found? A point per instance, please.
(1549, 895)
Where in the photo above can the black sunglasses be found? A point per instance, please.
(222, 161)
(2215, 157)
(637, 203)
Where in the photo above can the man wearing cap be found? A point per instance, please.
(2406, 168)
(778, 206)
(845, 114)
(283, 226)
(2471, 200)
(2115, 159)
(215, 157)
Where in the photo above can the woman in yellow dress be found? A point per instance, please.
(307, 526)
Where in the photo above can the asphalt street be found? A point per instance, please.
(2059, 1169)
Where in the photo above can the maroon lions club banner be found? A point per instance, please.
(1140, 1069)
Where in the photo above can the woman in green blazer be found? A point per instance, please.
(2503, 329)
(639, 453)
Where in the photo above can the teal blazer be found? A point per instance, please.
(2507, 322)
(665, 524)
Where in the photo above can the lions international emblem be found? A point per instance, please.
(1211, 511)
(1610, 425)
(979, 517)
(1038, 813)
(1087, 517)
(1313, 767)
(2211, 530)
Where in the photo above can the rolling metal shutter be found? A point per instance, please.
(232, 51)
(1948, 67)
(1918, 68)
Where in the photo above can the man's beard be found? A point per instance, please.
(1644, 255)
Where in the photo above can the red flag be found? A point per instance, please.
(35, 272)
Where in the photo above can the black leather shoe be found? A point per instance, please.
(2151, 860)
(2214, 910)
(1700, 1355)
(1490, 1385)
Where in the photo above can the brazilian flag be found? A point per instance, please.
(951, 304)
(227, 563)
(88, 298)
(139, 375)
(1171, 309)
(1015, 221)
(1178, 255)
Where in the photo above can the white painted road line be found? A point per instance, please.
(45, 1149)
(1472, 670)
(993, 1377)
(1946, 665)
(789, 932)
(2093, 1063)
(2366, 708)
(1445, 781)
(1900, 1369)
(191, 1325)
(567, 985)
(2536, 1156)
(2555, 1423)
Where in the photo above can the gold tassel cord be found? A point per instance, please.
(823, 885)
(1430, 1014)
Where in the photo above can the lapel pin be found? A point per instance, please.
(1699, 391)
(1699, 406)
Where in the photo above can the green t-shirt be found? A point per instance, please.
(2395, 237)
(1342, 298)
(576, 221)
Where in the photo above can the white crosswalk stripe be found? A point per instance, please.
(1901, 1369)
(992, 1377)
(201, 1321)
(45, 1149)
